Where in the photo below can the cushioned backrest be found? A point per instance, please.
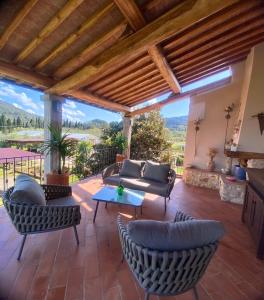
(169, 236)
(132, 168)
(156, 171)
(27, 191)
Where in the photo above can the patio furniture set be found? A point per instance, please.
(166, 258)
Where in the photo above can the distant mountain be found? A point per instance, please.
(176, 122)
(11, 112)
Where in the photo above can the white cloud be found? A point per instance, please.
(9, 91)
(70, 104)
(17, 105)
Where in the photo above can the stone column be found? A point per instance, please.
(127, 131)
(52, 117)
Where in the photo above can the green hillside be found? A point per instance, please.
(11, 112)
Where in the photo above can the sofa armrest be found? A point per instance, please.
(111, 170)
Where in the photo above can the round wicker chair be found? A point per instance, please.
(32, 219)
(165, 273)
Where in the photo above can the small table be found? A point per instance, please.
(108, 194)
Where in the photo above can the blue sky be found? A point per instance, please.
(30, 100)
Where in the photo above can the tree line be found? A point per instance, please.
(8, 123)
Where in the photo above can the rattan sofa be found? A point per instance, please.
(165, 273)
(111, 176)
(59, 213)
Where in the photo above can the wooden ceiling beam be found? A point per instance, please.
(217, 48)
(13, 72)
(174, 21)
(214, 59)
(99, 101)
(52, 25)
(136, 84)
(174, 98)
(151, 96)
(228, 18)
(132, 66)
(144, 87)
(214, 63)
(42, 82)
(211, 70)
(89, 23)
(16, 22)
(126, 81)
(131, 12)
(159, 59)
(80, 59)
(218, 35)
(158, 88)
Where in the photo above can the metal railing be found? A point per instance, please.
(11, 167)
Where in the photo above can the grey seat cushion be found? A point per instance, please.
(64, 201)
(155, 171)
(169, 236)
(148, 186)
(131, 168)
(27, 191)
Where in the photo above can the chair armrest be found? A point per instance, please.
(56, 191)
(37, 218)
(111, 170)
(180, 216)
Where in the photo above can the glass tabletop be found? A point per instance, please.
(129, 197)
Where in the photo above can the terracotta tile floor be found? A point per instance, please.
(54, 268)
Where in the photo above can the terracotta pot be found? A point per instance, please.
(120, 157)
(58, 179)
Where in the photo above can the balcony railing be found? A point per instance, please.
(80, 167)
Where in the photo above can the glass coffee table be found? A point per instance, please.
(108, 194)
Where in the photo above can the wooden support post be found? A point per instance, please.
(127, 132)
(52, 117)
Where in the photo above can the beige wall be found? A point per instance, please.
(252, 102)
(212, 129)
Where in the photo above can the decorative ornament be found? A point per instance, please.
(211, 164)
(197, 124)
(260, 117)
(228, 110)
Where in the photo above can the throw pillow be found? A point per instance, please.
(131, 168)
(27, 191)
(156, 171)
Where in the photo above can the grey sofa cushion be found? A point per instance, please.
(169, 236)
(27, 191)
(131, 168)
(64, 201)
(155, 171)
(148, 186)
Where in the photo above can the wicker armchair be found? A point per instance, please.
(31, 219)
(165, 273)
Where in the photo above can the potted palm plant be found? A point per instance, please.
(65, 148)
(121, 143)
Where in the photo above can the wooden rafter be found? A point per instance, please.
(16, 22)
(132, 13)
(159, 59)
(43, 82)
(82, 57)
(176, 20)
(89, 23)
(53, 24)
(172, 99)
(136, 20)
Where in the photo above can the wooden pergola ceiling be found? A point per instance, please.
(117, 54)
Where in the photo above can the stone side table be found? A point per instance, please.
(232, 191)
(201, 178)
